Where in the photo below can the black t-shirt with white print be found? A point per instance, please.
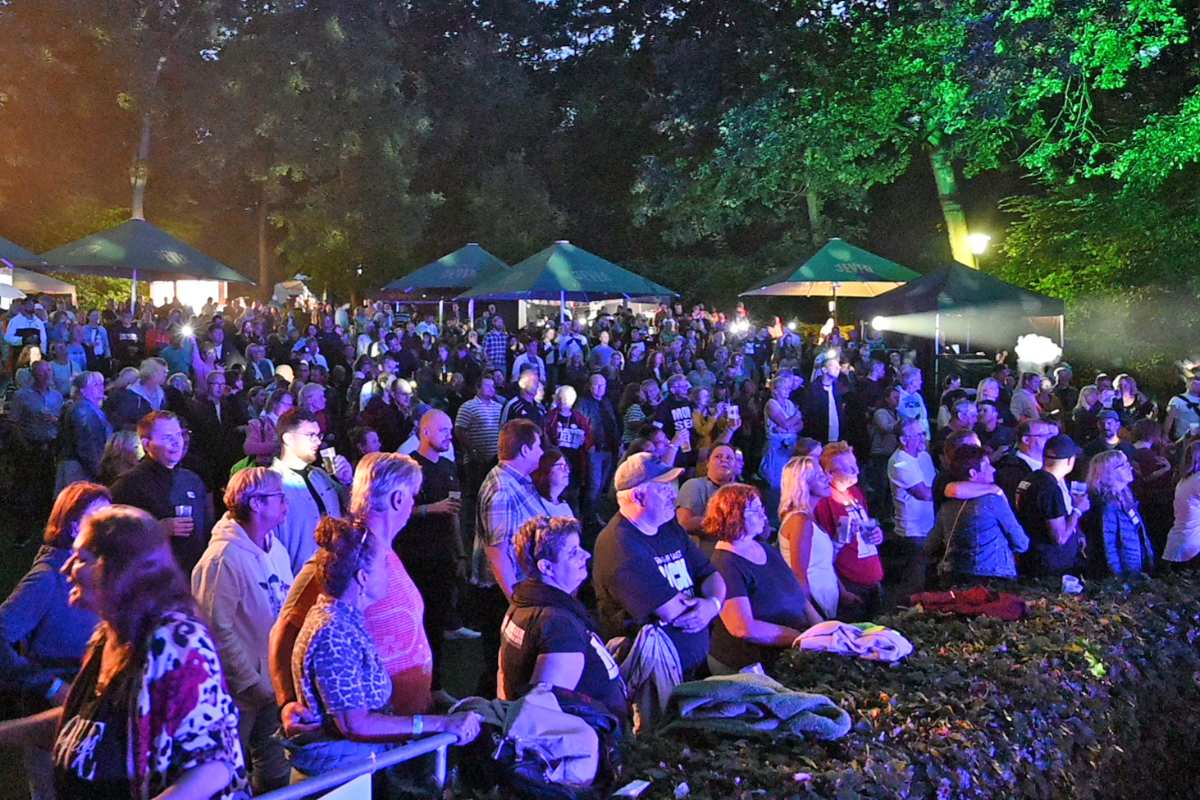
(544, 619)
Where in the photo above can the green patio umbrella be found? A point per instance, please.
(452, 273)
(136, 249)
(565, 272)
(839, 269)
(13, 255)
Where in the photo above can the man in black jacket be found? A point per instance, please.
(173, 494)
(823, 407)
(216, 441)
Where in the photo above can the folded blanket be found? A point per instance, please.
(976, 601)
(866, 641)
(747, 704)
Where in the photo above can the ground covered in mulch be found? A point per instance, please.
(1089, 696)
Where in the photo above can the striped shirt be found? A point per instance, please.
(479, 420)
(507, 499)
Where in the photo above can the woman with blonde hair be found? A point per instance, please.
(1183, 540)
(149, 712)
(337, 669)
(765, 606)
(1082, 426)
(122, 452)
(806, 547)
(1116, 533)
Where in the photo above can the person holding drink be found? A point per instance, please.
(432, 547)
(174, 495)
(856, 536)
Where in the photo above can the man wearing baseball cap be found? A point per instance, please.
(647, 570)
(1049, 512)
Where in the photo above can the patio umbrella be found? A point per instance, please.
(452, 273)
(839, 269)
(13, 255)
(565, 272)
(136, 249)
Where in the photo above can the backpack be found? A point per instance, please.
(498, 760)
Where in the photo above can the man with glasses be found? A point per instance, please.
(240, 584)
(911, 475)
(647, 570)
(1032, 435)
(214, 421)
(310, 491)
(173, 494)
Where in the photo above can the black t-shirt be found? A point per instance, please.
(543, 619)
(1039, 499)
(634, 574)
(520, 408)
(673, 415)
(775, 596)
(426, 539)
(126, 343)
(91, 750)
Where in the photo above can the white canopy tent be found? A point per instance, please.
(33, 283)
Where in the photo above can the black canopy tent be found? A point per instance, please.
(961, 304)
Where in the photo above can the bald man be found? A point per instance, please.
(432, 547)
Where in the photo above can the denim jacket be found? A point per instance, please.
(981, 538)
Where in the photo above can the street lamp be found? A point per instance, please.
(978, 242)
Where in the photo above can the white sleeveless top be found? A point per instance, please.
(822, 580)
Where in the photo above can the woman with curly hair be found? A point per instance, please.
(765, 606)
(149, 710)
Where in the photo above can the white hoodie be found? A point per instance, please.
(240, 588)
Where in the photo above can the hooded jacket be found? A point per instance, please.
(241, 588)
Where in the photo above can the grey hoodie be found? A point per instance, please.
(240, 588)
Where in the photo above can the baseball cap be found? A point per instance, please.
(1108, 413)
(1061, 447)
(642, 468)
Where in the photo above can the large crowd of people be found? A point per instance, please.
(263, 523)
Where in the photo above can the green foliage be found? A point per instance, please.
(92, 291)
(1088, 697)
(1124, 262)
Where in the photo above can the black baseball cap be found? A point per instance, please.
(1061, 447)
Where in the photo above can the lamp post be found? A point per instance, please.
(978, 242)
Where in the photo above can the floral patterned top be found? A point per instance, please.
(181, 714)
(335, 663)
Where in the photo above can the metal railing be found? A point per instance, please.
(436, 743)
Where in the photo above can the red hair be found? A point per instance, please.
(725, 517)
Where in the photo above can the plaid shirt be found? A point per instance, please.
(495, 349)
(506, 500)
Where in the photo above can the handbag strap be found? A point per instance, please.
(953, 528)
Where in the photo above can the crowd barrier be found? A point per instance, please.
(354, 782)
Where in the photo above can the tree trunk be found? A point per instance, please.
(266, 282)
(816, 219)
(952, 210)
(139, 172)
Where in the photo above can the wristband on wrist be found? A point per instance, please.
(418, 725)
